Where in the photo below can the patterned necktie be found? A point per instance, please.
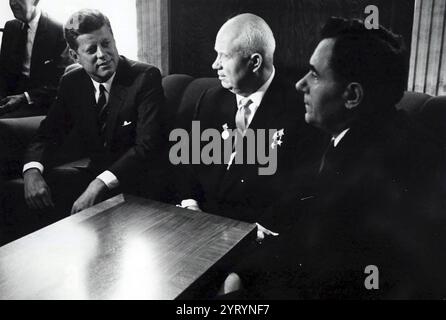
(241, 118)
(102, 109)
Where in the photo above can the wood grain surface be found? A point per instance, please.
(123, 248)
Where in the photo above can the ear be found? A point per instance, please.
(256, 61)
(353, 95)
(74, 55)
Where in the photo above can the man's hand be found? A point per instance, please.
(262, 232)
(11, 103)
(37, 192)
(92, 195)
(194, 208)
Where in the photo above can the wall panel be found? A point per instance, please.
(295, 23)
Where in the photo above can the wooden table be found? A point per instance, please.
(123, 248)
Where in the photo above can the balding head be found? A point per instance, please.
(245, 48)
(251, 34)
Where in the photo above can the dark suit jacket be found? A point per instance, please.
(134, 133)
(48, 61)
(378, 201)
(241, 192)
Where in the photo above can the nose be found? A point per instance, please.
(216, 64)
(301, 85)
(100, 53)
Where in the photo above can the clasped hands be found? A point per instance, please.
(11, 103)
(38, 194)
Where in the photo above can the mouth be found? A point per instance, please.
(103, 64)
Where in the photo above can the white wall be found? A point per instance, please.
(122, 15)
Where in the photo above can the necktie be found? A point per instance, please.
(102, 109)
(241, 118)
(21, 48)
(241, 121)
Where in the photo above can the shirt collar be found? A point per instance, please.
(339, 137)
(107, 84)
(34, 23)
(257, 96)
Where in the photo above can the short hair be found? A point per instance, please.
(375, 58)
(82, 22)
(255, 37)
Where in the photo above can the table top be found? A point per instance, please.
(123, 248)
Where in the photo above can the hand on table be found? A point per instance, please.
(262, 232)
(92, 195)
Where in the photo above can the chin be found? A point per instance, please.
(224, 84)
(308, 118)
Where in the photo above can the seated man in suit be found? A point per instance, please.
(375, 205)
(252, 96)
(112, 107)
(32, 59)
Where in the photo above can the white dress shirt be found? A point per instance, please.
(109, 179)
(339, 137)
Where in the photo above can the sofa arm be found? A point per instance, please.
(15, 135)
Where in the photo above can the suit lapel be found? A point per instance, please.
(228, 108)
(270, 108)
(88, 109)
(39, 40)
(117, 96)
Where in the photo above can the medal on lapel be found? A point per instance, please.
(277, 138)
(225, 133)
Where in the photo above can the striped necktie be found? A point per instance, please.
(102, 109)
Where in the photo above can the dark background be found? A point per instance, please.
(295, 24)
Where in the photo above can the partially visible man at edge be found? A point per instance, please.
(33, 57)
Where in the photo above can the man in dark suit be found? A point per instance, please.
(372, 225)
(114, 107)
(252, 90)
(32, 59)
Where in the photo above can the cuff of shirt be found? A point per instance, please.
(28, 97)
(33, 165)
(109, 179)
(188, 202)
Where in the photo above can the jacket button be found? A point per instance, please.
(105, 144)
(242, 181)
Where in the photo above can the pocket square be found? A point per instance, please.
(47, 61)
(126, 123)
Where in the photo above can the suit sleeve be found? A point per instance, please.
(4, 54)
(51, 133)
(189, 186)
(150, 136)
